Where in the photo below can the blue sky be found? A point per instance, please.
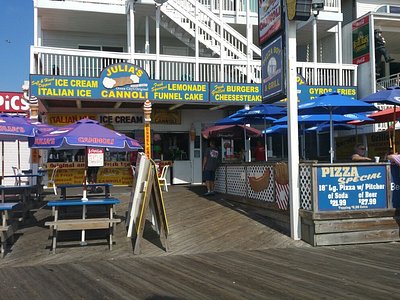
(16, 37)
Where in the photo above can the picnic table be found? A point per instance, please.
(105, 193)
(21, 193)
(35, 187)
(7, 228)
(84, 223)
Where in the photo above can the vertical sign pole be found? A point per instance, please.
(147, 133)
(293, 136)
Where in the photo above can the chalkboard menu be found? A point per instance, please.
(351, 187)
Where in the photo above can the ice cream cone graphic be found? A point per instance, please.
(147, 111)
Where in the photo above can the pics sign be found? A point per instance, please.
(361, 41)
(13, 102)
(342, 188)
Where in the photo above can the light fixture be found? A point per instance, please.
(160, 2)
(317, 6)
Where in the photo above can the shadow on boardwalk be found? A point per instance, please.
(196, 224)
(218, 250)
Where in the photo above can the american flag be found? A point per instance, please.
(282, 195)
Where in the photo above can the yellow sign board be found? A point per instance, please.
(66, 119)
(147, 140)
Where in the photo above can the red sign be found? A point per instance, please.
(13, 102)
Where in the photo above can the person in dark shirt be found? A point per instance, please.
(380, 50)
(92, 176)
(210, 164)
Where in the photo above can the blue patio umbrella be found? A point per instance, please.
(316, 119)
(84, 134)
(240, 118)
(326, 127)
(334, 103)
(18, 128)
(276, 129)
(264, 111)
(391, 96)
(244, 120)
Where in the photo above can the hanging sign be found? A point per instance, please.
(272, 72)
(95, 157)
(361, 41)
(269, 19)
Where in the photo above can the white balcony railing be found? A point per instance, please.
(233, 7)
(87, 63)
(328, 73)
(385, 82)
(108, 2)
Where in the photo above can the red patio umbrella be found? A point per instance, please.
(382, 116)
(386, 115)
(230, 131)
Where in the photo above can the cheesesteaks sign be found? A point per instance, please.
(351, 187)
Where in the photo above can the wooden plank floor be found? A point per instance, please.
(219, 250)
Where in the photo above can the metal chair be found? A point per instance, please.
(163, 178)
(53, 179)
(18, 180)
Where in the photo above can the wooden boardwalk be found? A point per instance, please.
(218, 250)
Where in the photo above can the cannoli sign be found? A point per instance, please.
(119, 81)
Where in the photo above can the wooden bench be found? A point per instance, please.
(83, 223)
(7, 229)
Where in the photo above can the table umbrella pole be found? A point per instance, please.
(394, 128)
(331, 135)
(2, 159)
(19, 155)
(84, 196)
(265, 142)
(246, 145)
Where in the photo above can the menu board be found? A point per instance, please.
(95, 157)
(351, 187)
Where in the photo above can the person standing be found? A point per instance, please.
(92, 176)
(259, 152)
(210, 165)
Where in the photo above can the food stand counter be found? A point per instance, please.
(115, 172)
(340, 203)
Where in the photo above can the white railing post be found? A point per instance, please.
(157, 66)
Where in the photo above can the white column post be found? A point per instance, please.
(131, 32)
(315, 50)
(293, 136)
(157, 66)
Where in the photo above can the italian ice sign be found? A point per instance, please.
(119, 81)
(352, 187)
